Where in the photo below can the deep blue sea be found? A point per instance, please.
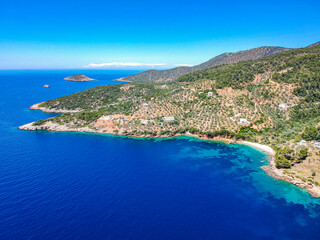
(90, 186)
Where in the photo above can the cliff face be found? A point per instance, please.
(79, 78)
(225, 58)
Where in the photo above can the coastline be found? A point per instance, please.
(280, 174)
(46, 110)
(122, 80)
(270, 169)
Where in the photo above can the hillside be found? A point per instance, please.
(274, 100)
(314, 45)
(225, 58)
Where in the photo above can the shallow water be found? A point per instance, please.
(91, 186)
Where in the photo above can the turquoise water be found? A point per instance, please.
(91, 186)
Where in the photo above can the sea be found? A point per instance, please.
(56, 185)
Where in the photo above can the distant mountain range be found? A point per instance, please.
(225, 58)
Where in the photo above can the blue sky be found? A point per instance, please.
(138, 34)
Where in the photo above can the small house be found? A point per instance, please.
(107, 118)
(316, 144)
(302, 143)
(168, 119)
(283, 106)
(144, 122)
(243, 121)
(145, 105)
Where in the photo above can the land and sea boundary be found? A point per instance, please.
(270, 169)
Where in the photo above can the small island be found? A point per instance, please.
(79, 78)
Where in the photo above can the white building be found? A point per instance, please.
(243, 121)
(210, 94)
(144, 122)
(316, 144)
(283, 106)
(168, 119)
(145, 105)
(302, 143)
(107, 118)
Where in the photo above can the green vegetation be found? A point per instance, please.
(302, 154)
(40, 122)
(284, 157)
(112, 96)
(227, 75)
(311, 133)
(223, 59)
(277, 96)
(299, 66)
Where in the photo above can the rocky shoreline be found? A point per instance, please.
(276, 173)
(270, 169)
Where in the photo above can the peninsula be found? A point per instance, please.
(273, 100)
(79, 78)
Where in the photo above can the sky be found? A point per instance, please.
(127, 34)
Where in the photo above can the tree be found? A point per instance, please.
(303, 154)
(282, 162)
(311, 133)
